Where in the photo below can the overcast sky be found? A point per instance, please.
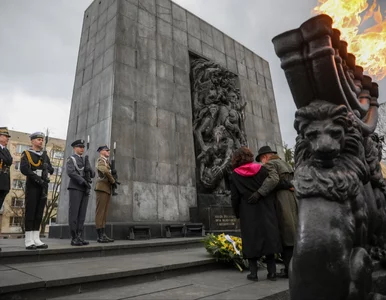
(39, 45)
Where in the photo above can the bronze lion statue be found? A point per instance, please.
(341, 215)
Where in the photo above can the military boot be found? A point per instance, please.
(253, 268)
(106, 237)
(81, 239)
(101, 238)
(75, 240)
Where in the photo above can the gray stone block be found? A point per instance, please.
(87, 73)
(242, 69)
(180, 36)
(121, 206)
(99, 49)
(144, 201)
(81, 59)
(181, 56)
(240, 53)
(75, 102)
(92, 12)
(128, 9)
(208, 51)
(165, 71)
(111, 30)
(193, 25)
(267, 72)
(105, 108)
(165, 91)
(186, 175)
(126, 31)
(185, 148)
(186, 198)
(147, 65)
(194, 44)
(109, 56)
(95, 88)
(206, 33)
(102, 21)
(260, 80)
(164, 10)
(82, 122)
(257, 109)
(182, 101)
(179, 17)
(218, 40)
(107, 82)
(112, 10)
(229, 47)
(164, 28)
(126, 55)
(166, 173)
(102, 7)
(146, 44)
(90, 45)
(146, 19)
(184, 124)
(98, 65)
(219, 58)
(124, 162)
(101, 34)
(147, 5)
(166, 142)
(266, 113)
(231, 64)
(146, 138)
(268, 84)
(167, 197)
(252, 74)
(258, 64)
(145, 170)
(124, 135)
(249, 58)
(123, 110)
(181, 77)
(147, 88)
(92, 116)
(84, 38)
(126, 81)
(146, 114)
(165, 49)
(166, 119)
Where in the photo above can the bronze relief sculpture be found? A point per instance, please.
(338, 180)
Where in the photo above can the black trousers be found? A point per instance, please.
(287, 256)
(34, 207)
(3, 194)
(77, 209)
(270, 261)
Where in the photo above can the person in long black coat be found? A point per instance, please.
(258, 221)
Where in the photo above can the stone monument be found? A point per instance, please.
(338, 179)
(177, 96)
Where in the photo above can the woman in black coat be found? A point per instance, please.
(258, 222)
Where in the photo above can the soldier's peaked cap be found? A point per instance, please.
(104, 147)
(37, 135)
(4, 131)
(78, 143)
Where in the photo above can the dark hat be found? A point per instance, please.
(78, 143)
(264, 150)
(4, 131)
(37, 135)
(104, 147)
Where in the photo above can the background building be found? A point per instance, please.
(12, 212)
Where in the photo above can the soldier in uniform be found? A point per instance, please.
(79, 189)
(5, 163)
(31, 165)
(104, 184)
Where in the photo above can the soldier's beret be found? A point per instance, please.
(4, 131)
(78, 143)
(37, 135)
(104, 147)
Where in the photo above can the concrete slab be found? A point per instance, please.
(14, 280)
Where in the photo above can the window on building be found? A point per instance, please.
(18, 184)
(57, 154)
(17, 166)
(15, 221)
(17, 202)
(21, 148)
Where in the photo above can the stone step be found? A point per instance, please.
(44, 279)
(13, 250)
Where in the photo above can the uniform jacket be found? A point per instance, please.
(76, 173)
(258, 222)
(29, 170)
(5, 164)
(105, 180)
(286, 203)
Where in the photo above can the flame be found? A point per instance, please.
(369, 46)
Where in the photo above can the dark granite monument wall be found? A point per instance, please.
(132, 86)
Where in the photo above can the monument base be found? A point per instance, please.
(118, 231)
(216, 213)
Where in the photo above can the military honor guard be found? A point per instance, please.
(104, 184)
(34, 164)
(5, 164)
(80, 173)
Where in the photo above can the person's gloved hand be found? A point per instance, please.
(254, 198)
